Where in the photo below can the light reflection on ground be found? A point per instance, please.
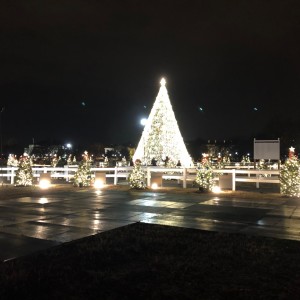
(43, 200)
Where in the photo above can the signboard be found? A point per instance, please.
(266, 149)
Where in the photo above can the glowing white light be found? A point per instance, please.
(69, 146)
(154, 186)
(292, 149)
(43, 200)
(163, 82)
(216, 189)
(98, 184)
(143, 121)
(44, 183)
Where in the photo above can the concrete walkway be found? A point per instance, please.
(30, 224)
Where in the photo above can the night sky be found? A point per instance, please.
(88, 71)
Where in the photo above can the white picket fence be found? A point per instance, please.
(183, 175)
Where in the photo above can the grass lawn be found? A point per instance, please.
(145, 261)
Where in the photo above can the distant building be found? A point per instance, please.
(36, 150)
(109, 149)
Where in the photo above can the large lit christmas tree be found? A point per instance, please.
(161, 137)
(24, 176)
(83, 176)
(290, 175)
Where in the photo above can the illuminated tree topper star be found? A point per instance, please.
(163, 82)
(292, 149)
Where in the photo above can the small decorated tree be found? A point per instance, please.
(83, 176)
(24, 176)
(226, 160)
(137, 176)
(205, 175)
(170, 163)
(245, 160)
(263, 165)
(124, 162)
(106, 162)
(290, 175)
(69, 160)
(220, 164)
(12, 161)
(54, 161)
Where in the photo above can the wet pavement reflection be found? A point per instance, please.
(29, 224)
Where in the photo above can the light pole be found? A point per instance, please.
(1, 148)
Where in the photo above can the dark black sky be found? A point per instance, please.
(227, 57)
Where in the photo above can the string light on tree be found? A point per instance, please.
(161, 136)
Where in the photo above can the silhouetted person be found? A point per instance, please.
(153, 162)
(166, 160)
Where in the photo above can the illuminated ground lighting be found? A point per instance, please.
(44, 184)
(154, 186)
(98, 184)
(216, 189)
(98, 192)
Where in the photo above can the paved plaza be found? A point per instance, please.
(29, 224)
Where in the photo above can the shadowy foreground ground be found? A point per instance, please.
(146, 261)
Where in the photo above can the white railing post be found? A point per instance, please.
(184, 178)
(12, 178)
(148, 177)
(67, 173)
(257, 183)
(233, 179)
(116, 176)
